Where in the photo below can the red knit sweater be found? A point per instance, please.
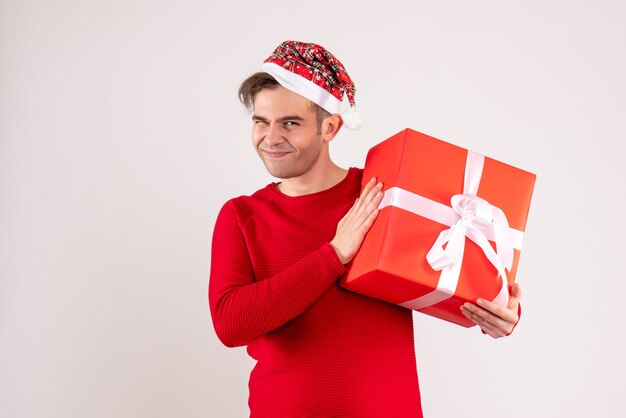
(321, 350)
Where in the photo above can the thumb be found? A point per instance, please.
(516, 294)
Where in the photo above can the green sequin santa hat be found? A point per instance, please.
(312, 72)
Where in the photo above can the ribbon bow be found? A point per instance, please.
(469, 216)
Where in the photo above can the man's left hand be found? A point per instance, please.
(493, 319)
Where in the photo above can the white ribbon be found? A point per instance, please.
(468, 216)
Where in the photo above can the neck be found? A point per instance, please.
(320, 178)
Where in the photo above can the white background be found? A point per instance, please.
(121, 136)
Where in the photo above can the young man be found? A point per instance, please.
(277, 255)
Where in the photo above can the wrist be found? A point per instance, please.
(343, 258)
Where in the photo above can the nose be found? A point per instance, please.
(273, 135)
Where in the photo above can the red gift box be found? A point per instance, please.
(450, 227)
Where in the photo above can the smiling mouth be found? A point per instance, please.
(275, 154)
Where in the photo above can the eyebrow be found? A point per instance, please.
(282, 119)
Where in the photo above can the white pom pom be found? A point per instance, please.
(352, 119)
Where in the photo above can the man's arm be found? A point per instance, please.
(243, 309)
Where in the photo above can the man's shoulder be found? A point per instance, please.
(263, 194)
(358, 171)
(244, 206)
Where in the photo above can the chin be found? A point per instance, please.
(281, 172)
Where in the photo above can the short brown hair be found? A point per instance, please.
(261, 81)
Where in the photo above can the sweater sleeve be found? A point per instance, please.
(243, 309)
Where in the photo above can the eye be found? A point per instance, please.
(291, 123)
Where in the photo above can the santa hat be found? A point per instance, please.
(314, 73)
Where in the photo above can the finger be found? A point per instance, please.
(369, 221)
(469, 315)
(516, 295)
(370, 202)
(375, 199)
(362, 208)
(496, 327)
(368, 187)
(359, 201)
(507, 314)
(372, 194)
(484, 315)
(493, 329)
(476, 319)
(366, 217)
(473, 313)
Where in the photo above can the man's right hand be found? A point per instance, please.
(352, 228)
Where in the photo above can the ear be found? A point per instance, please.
(330, 127)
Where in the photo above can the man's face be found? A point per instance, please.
(285, 132)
